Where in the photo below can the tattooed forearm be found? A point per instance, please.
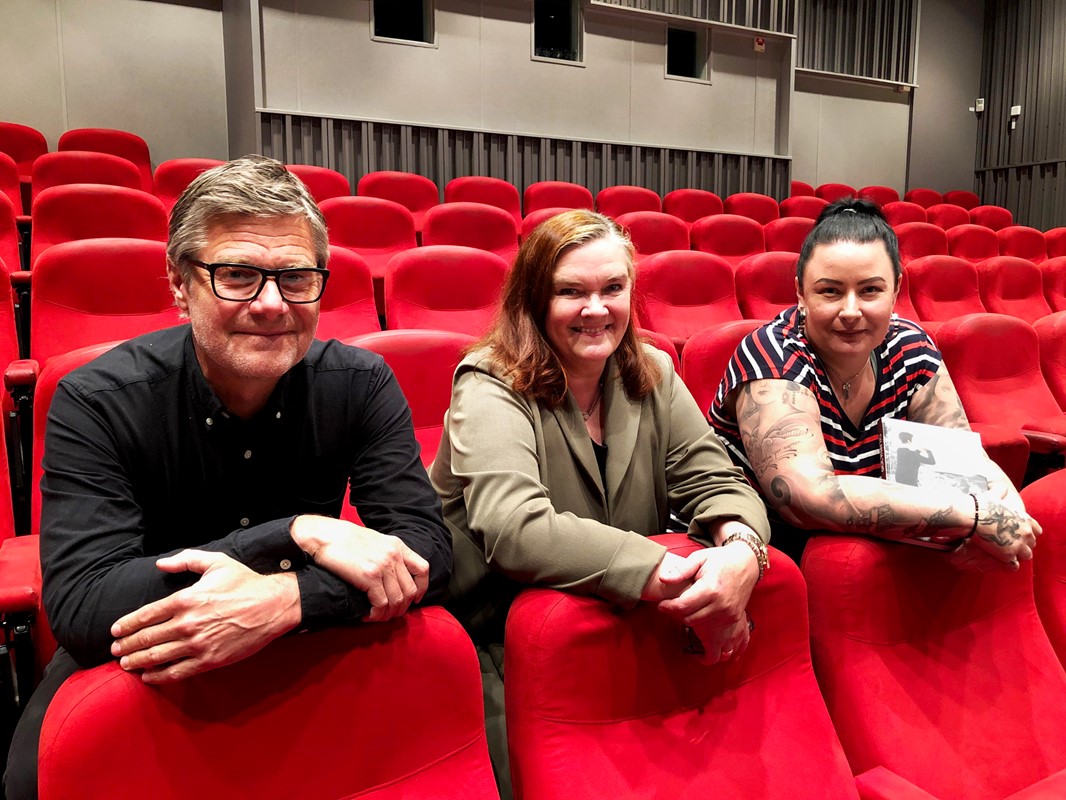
(937, 403)
(928, 525)
(880, 519)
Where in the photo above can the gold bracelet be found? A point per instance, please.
(762, 555)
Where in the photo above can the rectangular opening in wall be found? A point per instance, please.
(686, 54)
(404, 20)
(557, 29)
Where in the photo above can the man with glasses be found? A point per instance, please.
(193, 477)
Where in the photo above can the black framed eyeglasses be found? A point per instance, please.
(242, 283)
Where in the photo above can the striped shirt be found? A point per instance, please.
(905, 361)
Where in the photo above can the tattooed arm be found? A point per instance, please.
(781, 431)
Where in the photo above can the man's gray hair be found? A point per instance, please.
(251, 186)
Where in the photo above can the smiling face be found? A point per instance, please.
(590, 306)
(848, 292)
(244, 348)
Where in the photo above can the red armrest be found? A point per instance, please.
(20, 574)
(1043, 441)
(20, 279)
(880, 783)
(21, 373)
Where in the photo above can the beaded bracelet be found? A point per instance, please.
(976, 517)
(757, 547)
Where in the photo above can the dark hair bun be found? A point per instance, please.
(852, 205)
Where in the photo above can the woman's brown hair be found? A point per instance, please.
(517, 339)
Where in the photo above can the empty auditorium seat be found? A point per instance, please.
(882, 195)
(942, 288)
(706, 357)
(10, 258)
(787, 234)
(994, 361)
(535, 218)
(732, 237)
(322, 182)
(1053, 273)
(766, 284)
(10, 183)
(994, 217)
(809, 207)
(904, 307)
(662, 342)
(1055, 242)
(681, 292)
(127, 145)
(973, 243)
(1051, 334)
(902, 211)
(444, 287)
(472, 225)
(555, 194)
(1045, 500)
(947, 216)
(490, 191)
(962, 198)
(917, 239)
(1012, 286)
(1022, 241)
(82, 166)
(617, 200)
(282, 722)
(913, 657)
(654, 232)
(831, 192)
(924, 197)
(24, 144)
(374, 228)
(416, 193)
(173, 177)
(92, 211)
(800, 189)
(424, 362)
(348, 307)
(692, 204)
(660, 723)
(759, 207)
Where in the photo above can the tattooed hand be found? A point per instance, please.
(1006, 533)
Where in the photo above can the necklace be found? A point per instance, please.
(595, 402)
(846, 385)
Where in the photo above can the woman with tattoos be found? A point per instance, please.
(568, 443)
(800, 406)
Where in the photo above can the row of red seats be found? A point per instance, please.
(882, 195)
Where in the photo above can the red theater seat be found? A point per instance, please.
(322, 182)
(706, 356)
(903, 211)
(82, 166)
(917, 239)
(662, 342)
(692, 204)
(124, 144)
(993, 217)
(882, 195)
(922, 664)
(729, 236)
(1055, 242)
(10, 184)
(1051, 333)
(1045, 500)
(800, 189)
(962, 198)
(752, 205)
(947, 216)
(658, 723)
(1022, 241)
(1012, 286)
(831, 192)
(293, 720)
(348, 307)
(617, 200)
(787, 234)
(942, 288)
(903, 306)
(809, 207)
(555, 194)
(24, 144)
(472, 225)
(490, 191)
(973, 243)
(766, 284)
(416, 193)
(174, 176)
(923, 197)
(654, 232)
(10, 258)
(1053, 274)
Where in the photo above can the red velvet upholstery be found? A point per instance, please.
(1053, 275)
(662, 342)
(943, 287)
(654, 232)
(973, 242)
(174, 176)
(1007, 446)
(424, 363)
(490, 191)
(82, 166)
(127, 145)
(384, 711)
(444, 287)
(766, 284)
(995, 364)
(472, 225)
(1051, 334)
(1021, 241)
(617, 200)
(947, 216)
(917, 239)
(707, 355)
(729, 236)
(1012, 286)
(945, 677)
(759, 207)
(962, 198)
(923, 197)
(882, 195)
(10, 259)
(831, 192)
(90, 211)
(604, 703)
(10, 185)
(800, 189)
(904, 307)
(993, 217)
(902, 211)
(787, 234)
(1055, 242)
(681, 292)
(555, 194)
(24, 144)
(1045, 500)
(692, 204)
(809, 207)
(416, 193)
(535, 218)
(322, 182)
(348, 307)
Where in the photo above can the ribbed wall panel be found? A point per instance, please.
(874, 39)
(778, 16)
(354, 147)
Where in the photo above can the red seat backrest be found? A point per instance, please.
(348, 307)
(809, 207)
(766, 284)
(993, 217)
(491, 191)
(692, 204)
(944, 287)
(831, 192)
(124, 144)
(923, 197)
(732, 237)
(617, 200)
(787, 234)
(1012, 286)
(917, 239)
(476, 225)
(882, 195)
(1053, 274)
(707, 355)
(174, 176)
(654, 232)
(681, 292)
(947, 216)
(24, 144)
(759, 207)
(555, 194)
(1022, 241)
(903, 211)
(82, 166)
(322, 182)
(962, 198)
(1051, 334)
(973, 243)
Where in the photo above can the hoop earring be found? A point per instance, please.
(802, 325)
